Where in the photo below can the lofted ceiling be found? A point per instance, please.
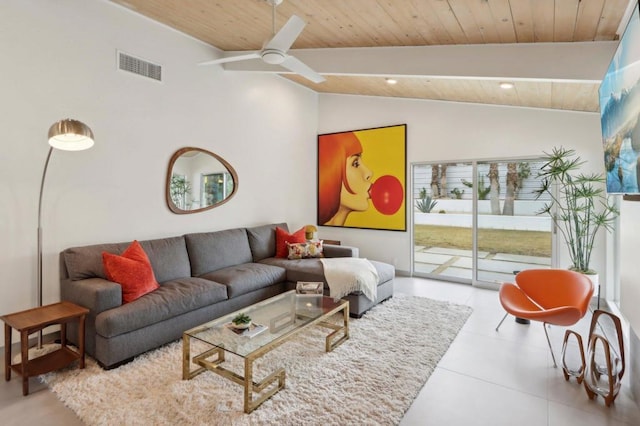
(344, 26)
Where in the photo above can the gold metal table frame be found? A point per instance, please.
(212, 359)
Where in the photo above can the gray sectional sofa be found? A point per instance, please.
(202, 276)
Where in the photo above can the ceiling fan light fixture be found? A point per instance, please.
(273, 57)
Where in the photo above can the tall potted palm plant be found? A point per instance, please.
(581, 205)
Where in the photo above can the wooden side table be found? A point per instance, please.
(33, 320)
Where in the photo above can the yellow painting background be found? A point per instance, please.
(384, 153)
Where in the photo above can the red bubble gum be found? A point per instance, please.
(387, 194)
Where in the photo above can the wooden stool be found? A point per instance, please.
(36, 319)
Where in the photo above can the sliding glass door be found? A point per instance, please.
(442, 221)
(476, 222)
(510, 235)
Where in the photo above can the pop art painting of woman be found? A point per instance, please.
(361, 178)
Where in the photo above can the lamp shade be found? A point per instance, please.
(309, 231)
(70, 135)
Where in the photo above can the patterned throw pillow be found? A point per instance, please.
(283, 237)
(305, 250)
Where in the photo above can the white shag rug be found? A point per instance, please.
(371, 379)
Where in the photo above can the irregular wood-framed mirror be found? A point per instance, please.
(199, 180)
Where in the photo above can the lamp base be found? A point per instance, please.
(37, 352)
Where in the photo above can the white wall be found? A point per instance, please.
(59, 61)
(629, 272)
(450, 131)
(629, 265)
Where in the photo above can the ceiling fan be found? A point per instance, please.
(275, 50)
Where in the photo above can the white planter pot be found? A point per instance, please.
(595, 279)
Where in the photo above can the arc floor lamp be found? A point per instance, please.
(66, 135)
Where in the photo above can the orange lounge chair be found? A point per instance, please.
(551, 296)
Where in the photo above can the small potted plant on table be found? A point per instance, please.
(241, 321)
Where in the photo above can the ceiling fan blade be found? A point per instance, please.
(294, 64)
(287, 35)
(253, 55)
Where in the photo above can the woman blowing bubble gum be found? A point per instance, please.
(345, 182)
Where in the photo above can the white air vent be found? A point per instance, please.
(139, 66)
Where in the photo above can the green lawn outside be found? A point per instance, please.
(529, 243)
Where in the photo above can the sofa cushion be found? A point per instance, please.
(312, 270)
(86, 262)
(262, 240)
(168, 257)
(210, 251)
(173, 298)
(385, 271)
(299, 269)
(247, 277)
(132, 270)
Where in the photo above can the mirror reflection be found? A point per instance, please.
(198, 180)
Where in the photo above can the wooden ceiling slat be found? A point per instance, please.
(522, 20)
(489, 92)
(449, 21)
(585, 97)
(436, 87)
(374, 16)
(534, 94)
(558, 95)
(505, 26)
(543, 20)
(429, 25)
(325, 24)
(589, 13)
(483, 18)
(401, 23)
(467, 21)
(404, 15)
(610, 18)
(565, 20)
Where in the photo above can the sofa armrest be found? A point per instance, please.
(331, 250)
(96, 294)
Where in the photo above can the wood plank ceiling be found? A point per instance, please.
(233, 25)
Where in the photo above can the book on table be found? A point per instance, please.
(252, 331)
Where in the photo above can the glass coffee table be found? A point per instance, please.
(278, 320)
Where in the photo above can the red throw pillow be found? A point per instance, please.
(283, 237)
(132, 270)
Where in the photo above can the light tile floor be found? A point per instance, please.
(505, 377)
(485, 378)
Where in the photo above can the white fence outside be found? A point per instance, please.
(520, 207)
(459, 213)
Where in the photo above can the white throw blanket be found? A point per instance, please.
(350, 274)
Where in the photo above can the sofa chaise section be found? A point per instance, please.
(262, 242)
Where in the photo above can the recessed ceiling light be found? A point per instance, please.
(391, 80)
(506, 85)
